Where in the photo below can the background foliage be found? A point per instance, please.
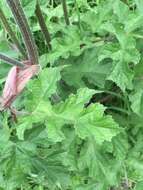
(86, 127)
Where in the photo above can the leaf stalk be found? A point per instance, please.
(43, 26)
(11, 61)
(64, 4)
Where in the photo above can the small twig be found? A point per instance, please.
(11, 61)
(43, 25)
(11, 33)
(65, 12)
(22, 22)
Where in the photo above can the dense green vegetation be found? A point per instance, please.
(84, 127)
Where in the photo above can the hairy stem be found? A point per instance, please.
(65, 12)
(43, 25)
(11, 61)
(11, 33)
(22, 22)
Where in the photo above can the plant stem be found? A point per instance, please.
(137, 36)
(43, 25)
(11, 61)
(52, 3)
(118, 109)
(22, 22)
(116, 94)
(78, 14)
(65, 12)
(10, 32)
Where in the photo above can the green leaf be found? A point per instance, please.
(93, 123)
(55, 133)
(121, 10)
(94, 18)
(68, 45)
(5, 8)
(134, 22)
(126, 41)
(121, 55)
(5, 135)
(139, 4)
(91, 19)
(29, 7)
(136, 99)
(21, 129)
(87, 67)
(48, 78)
(56, 116)
(42, 87)
(67, 140)
(139, 185)
(98, 164)
(75, 103)
(120, 146)
(121, 75)
(88, 122)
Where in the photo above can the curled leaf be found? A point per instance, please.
(15, 83)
